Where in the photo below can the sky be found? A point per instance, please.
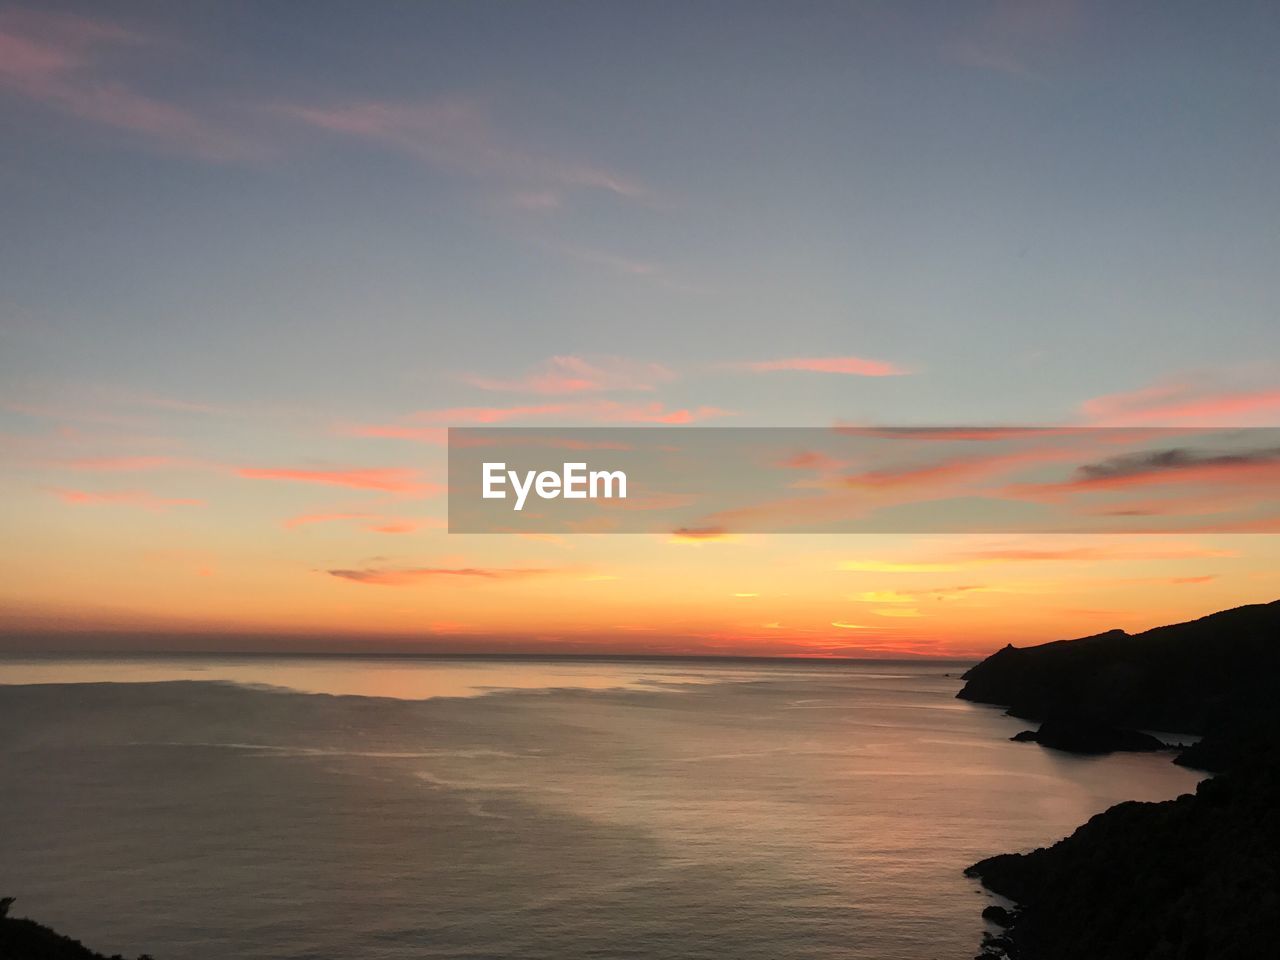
(257, 257)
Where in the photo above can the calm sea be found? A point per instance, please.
(387, 809)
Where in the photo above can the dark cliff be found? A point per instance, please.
(1189, 677)
(22, 939)
(1196, 878)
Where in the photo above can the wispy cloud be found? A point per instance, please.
(62, 62)
(895, 566)
(1091, 554)
(384, 479)
(457, 133)
(1013, 37)
(1087, 553)
(700, 535)
(572, 374)
(1185, 404)
(404, 577)
(372, 522)
(428, 426)
(130, 498)
(848, 365)
(1175, 465)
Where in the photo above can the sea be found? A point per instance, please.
(388, 808)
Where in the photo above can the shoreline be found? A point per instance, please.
(1195, 876)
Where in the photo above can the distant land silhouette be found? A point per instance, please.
(1196, 878)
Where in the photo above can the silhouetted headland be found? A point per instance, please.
(1196, 877)
(22, 939)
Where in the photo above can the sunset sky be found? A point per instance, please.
(256, 258)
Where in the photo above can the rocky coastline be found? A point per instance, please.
(1195, 878)
(23, 939)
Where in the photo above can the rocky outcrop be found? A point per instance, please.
(1196, 878)
(1076, 735)
(22, 939)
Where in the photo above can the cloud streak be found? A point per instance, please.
(1180, 404)
(130, 498)
(572, 374)
(383, 479)
(849, 366)
(56, 60)
(456, 133)
(428, 426)
(405, 577)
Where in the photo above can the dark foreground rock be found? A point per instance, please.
(1196, 877)
(1077, 735)
(22, 939)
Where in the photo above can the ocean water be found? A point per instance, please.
(416, 808)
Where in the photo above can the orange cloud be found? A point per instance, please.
(1090, 553)
(959, 469)
(569, 374)
(893, 566)
(387, 480)
(416, 575)
(853, 366)
(371, 522)
(699, 535)
(136, 498)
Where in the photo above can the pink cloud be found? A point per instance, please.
(54, 59)
(570, 374)
(1181, 404)
(428, 426)
(988, 434)
(610, 412)
(852, 366)
(387, 480)
(134, 498)
(486, 415)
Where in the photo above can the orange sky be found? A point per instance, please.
(246, 287)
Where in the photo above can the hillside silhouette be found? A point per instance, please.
(22, 939)
(1196, 878)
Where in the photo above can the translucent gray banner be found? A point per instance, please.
(718, 481)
